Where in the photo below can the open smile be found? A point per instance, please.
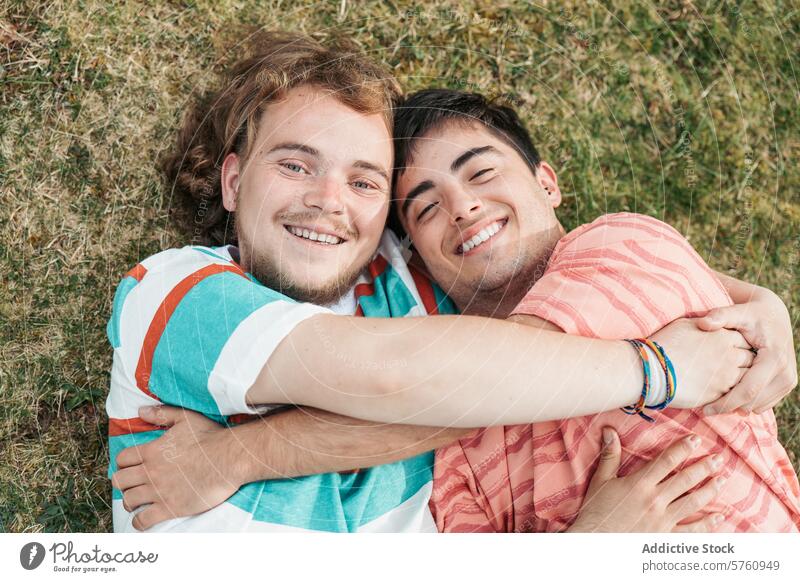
(480, 238)
(324, 239)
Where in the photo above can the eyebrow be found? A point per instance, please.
(364, 165)
(423, 186)
(295, 147)
(468, 155)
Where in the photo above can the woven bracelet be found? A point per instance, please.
(639, 407)
(669, 373)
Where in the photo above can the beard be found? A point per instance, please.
(266, 271)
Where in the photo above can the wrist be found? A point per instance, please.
(633, 363)
(243, 466)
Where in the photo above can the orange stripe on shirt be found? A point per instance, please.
(138, 272)
(162, 315)
(375, 269)
(122, 426)
(425, 289)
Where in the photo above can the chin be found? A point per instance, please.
(492, 281)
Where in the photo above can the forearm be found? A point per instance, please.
(308, 441)
(447, 371)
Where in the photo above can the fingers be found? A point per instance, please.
(670, 459)
(736, 339)
(161, 415)
(746, 391)
(130, 457)
(129, 477)
(697, 500)
(730, 317)
(135, 497)
(713, 320)
(609, 458)
(151, 516)
(744, 357)
(688, 478)
(708, 524)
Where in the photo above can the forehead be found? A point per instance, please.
(436, 149)
(315, 117)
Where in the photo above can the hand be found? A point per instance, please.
(765, 324)
(707, 363)
(186, 471)
(646, 500)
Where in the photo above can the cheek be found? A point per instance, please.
(428, 243)
(370, 217)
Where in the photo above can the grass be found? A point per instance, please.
(685, 111)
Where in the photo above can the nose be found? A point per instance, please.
(325, 194)
(463, 204)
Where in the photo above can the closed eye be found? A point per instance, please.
(480, 173)
(426, 210)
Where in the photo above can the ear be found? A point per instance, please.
(231, 169)
(546, 176)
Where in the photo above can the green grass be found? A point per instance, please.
(685, 112)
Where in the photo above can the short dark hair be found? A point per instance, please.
(425, 111)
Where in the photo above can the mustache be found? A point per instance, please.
(319, 219)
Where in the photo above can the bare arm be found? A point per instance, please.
(470, 372)
(307, 441)
(413, 371)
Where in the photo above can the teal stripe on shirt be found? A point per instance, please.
(194, 337)
(443, 302)
(112, 328)
(334, 502)
(388, 285)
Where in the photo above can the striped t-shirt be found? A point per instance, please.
(622, 276)
(190, 328)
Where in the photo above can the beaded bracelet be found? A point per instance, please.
(669, 374)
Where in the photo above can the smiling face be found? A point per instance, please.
(478, 216)
(312, 197)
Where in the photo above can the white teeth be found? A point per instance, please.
(484, 235)
(315, 236)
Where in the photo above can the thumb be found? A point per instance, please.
(731, 317)
(609, 458)
(161, 415)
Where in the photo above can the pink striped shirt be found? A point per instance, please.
(622, 276)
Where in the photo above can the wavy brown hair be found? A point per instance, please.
(224, 120)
